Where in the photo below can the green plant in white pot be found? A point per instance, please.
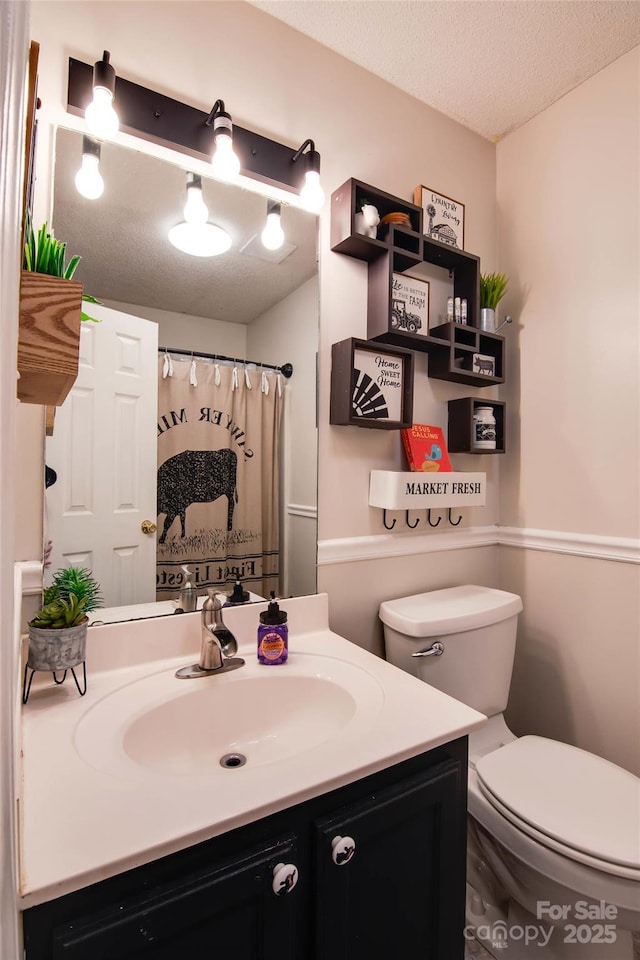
(58, 632)
(493, 287)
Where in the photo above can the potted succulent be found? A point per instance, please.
(493, 287)
(49, 319)
(58, 632)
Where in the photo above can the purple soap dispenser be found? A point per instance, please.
(273, 635)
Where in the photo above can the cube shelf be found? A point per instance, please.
(460, 438)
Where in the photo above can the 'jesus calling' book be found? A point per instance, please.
(425, 448)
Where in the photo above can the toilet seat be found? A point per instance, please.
(538, 785)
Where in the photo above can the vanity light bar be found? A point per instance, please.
(159, 119)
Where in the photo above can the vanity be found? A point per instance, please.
(313, 810)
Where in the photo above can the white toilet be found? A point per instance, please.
(553, 868)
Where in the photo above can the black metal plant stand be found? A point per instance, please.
(26, 686)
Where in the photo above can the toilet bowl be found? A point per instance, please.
(554, 831)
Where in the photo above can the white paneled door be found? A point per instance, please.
(104, 452)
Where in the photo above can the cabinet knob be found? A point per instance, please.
(285, 877)
(342, 849)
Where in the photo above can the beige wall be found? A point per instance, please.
(186, 332)
(288, 333)
(568, 220)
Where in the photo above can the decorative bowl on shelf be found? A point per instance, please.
(398, 219)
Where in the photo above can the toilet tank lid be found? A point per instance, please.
(452, 610)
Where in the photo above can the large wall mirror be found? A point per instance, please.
(248, 304)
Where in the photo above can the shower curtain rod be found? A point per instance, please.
(286, 369)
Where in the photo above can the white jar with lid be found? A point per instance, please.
(484, 429)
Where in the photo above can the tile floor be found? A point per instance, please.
(475, 951)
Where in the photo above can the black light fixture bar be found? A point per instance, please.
(160, 119)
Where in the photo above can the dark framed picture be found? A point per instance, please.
(371, 385)
(443, 217)
(409, 304)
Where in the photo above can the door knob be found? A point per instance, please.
(148, 526)
(285, 877)
(342, 849)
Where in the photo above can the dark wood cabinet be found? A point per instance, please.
(384, 900)
(400, 893)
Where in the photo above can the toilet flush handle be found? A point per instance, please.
(435, 650)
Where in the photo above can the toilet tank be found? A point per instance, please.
(477, 629)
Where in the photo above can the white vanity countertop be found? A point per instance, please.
(81, 822)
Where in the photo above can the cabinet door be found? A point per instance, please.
(227, 911)
(401, 892)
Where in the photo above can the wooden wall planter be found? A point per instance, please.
(48, 337)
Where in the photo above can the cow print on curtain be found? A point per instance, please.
(218, 479)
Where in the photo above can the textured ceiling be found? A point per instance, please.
(126, 255)
(489, 64)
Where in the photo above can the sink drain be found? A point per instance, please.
(232, 760)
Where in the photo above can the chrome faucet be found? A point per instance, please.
(218, 643)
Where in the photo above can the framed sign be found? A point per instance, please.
(484, 364)
(443, 217)
(371, 385)
(409, 304)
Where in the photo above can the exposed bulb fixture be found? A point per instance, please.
(225, 163)
(195, 209)
(102, 120)
(194, 235)
(273, 235)
(89, 182)
(311, 194)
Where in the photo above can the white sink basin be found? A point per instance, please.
(183, 728)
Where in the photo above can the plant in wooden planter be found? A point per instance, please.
(58, 632)
(49, 319)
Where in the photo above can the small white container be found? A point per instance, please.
(484, 429)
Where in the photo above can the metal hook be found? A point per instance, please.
(411, 525)
(429, 519)
(454, 523)
(384, 520)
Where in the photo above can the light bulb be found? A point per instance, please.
(88, 179)
(200, 239)
(225, 163)
(102, 120)
(312, 194)
(273, 235)
(195, 209)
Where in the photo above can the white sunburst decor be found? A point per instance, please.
(371, 385)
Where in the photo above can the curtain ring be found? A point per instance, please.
(247, 378)
(193, 378)
(234, 378)
(167, 366)
(265, 384)
(216, 374)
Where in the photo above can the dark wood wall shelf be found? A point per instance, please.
(452, 354)
(460, 439)
(398, 249)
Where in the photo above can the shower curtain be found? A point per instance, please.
(218, 476)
